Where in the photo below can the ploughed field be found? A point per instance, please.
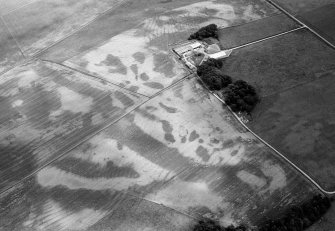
(105, 129)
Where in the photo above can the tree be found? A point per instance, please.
(215, 79)
(299, 217)
(205, 32)
(240, 96)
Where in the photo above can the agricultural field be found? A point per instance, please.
(42, 23)
(321, 20)
(234, 36)
(10, 52)
(147, 59)
(46, 110)
(300, 123)
(295, 77)
(194, 158)
(105, 129)
(326, 223)
(300, 6)
(281, 63)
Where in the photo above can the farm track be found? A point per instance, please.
(93, 76)
(267, 38)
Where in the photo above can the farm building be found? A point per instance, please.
(187, 47)
(220, 54)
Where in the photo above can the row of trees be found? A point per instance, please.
(205, 32)
(211, 74)
(300, 217)
(297, 218)
(240, 96)
(211, 225)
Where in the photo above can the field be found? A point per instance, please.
(194, 158)
(281, 63)
(46, 110)
(104, 129)
(10, 52)
(326, 223)
(320, 20)
(300, 6)
(234, 36)
(294, 75)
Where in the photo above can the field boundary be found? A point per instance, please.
(94, 133)
(92, 76)
(12, 35)
(267, 38)
(309, 178)
(98, 16)
(301, 23)
(275, 150)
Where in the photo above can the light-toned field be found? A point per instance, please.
(10, 53)
(146, 65)
(181, 150)
(46, 110)
(42, 23)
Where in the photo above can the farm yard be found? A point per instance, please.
(103, 128)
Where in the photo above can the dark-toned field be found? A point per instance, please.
(242, 34)
(322, 21)
(327, 223)
(300, 123)
(300, 6)
(295, 77)
(281, 63)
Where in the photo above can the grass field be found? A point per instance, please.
(300, 6)
(242, 34)
(320, 20)
(300, 123)
(281, 63)
(295, 77)
(46, 110)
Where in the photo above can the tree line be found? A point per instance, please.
(297, 218)
(211, 225)
(239, 96)
(205, 32)
(300, 217)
